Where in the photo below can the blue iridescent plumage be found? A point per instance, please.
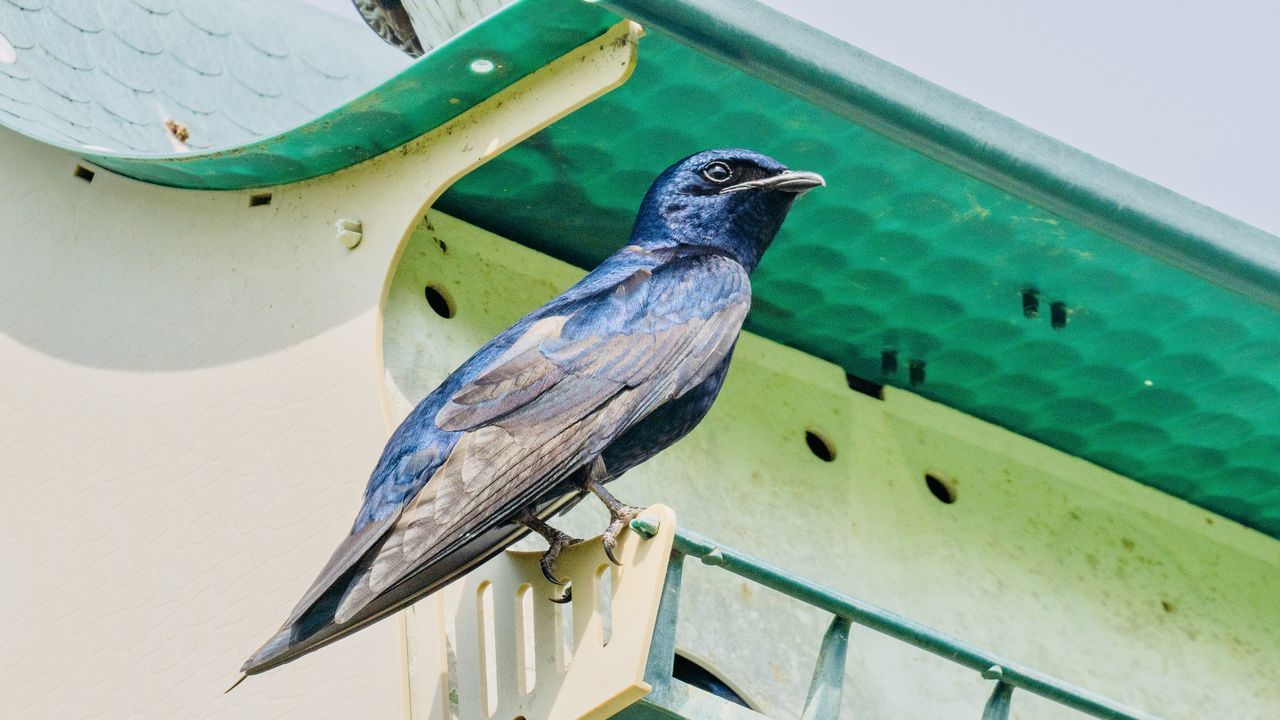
(614, 370)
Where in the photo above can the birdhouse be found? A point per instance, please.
(999, 438)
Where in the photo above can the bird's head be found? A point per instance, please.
(734, 200)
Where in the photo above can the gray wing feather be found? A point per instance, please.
(357, 544)
(518, 376)
(391, 22)
(347, 554)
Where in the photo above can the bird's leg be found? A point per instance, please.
(619, 514)
(556, 541)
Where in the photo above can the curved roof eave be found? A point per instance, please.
(921, 265)
(423, 96)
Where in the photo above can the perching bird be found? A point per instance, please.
(391, 22)
(614, 370)
(424, 24)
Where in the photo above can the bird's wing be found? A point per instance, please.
(391, 22)
(348, 554)
(566, 388)
(358, 543)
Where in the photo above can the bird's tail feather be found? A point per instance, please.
(315, 628)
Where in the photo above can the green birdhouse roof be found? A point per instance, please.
(955, 252)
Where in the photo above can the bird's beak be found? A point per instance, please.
(797, 182)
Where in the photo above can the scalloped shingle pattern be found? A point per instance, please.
(106, 76)
(270, 92)
(911, 273)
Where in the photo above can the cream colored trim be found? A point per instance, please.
(593, 681)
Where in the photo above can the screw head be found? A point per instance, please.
(350, 232)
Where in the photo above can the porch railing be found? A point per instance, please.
(825, 689)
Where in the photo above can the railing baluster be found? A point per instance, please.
(1009, 674)
(827, 686)
(997, 707)
(662, 649)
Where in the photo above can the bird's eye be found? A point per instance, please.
(717, 172)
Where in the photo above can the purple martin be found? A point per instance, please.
(586, 387)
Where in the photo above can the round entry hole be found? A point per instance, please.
(439, 301)
(819, 446)
(939, 488)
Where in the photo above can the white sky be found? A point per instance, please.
(1186, 94)
(1183, 93)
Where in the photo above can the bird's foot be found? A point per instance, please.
(620, 514)
(619, 518)
(556, 541)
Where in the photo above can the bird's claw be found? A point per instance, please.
(566, 597)
(546, 573)
(609, 544)
(557, 542)
(618, 520)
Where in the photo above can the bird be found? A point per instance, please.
(390, 20)
(612, 371)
